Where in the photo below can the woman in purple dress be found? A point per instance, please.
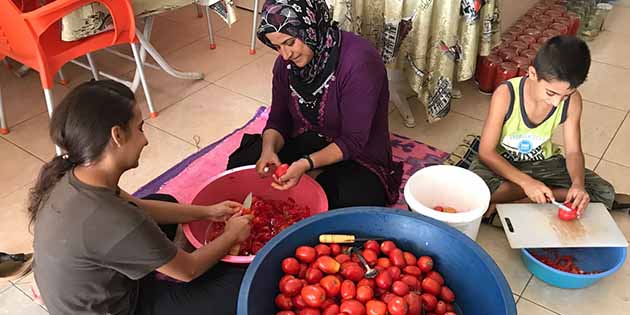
(329, 109)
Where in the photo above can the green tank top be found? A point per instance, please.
(521, 140)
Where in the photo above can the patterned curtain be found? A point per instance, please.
(434, 43)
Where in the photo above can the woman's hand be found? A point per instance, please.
(267, 160)
(579, 199)
(537, 192)
(292, 176)
(222, 211)
(239, 226)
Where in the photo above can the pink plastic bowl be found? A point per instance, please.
(235, 184)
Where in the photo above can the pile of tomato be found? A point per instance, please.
(326, 280)
(270, 218)
(566, 263)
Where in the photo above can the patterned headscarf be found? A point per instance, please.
(311, 22)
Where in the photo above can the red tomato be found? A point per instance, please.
(366, 282)
(299, 302)
(428, 301)
(387, 247)
(394, 272)
(290, 266)
(415, 303)
(425, 263)
(364, 294)
(352, 271)
(384, 262)
(410, 259)
(335, 249)
(375, 307)
(440, 308)
(379, 292)
(383, 280)
(327, 264)
(412, 270)
(438, 208)
(281, 170)
(342, 258)
(331, 285)
(348, 290)
(328, 302)
(313, 275)
(313, 295)
(430, 286)
(447, 294)
(449, 307)
(397, 258)
(435, 276)
(352, 307)
(400, 288)
(331, 310)
(284, 279)
(306, 254)
(292, 287)
(302, 273)
(322, 250)
(411, 281)
(286, 313)
(370, 256)
(284, 302)
(397, 306)
(387, 297)
(310, 311)
(373, 245)
(567, 215)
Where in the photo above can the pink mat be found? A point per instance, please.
(187, 178)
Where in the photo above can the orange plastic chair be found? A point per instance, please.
(34, 39)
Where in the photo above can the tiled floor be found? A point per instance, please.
(236, 84)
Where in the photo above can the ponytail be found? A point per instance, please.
(49, 175)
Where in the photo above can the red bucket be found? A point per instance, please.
(235, 184)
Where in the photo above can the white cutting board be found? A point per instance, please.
(538, 226)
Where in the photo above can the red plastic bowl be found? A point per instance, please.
(235, 184)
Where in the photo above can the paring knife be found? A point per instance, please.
(344, 238)
(247, 205)
(561, 206)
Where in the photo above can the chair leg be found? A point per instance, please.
(252, 48)
(48, 95)
(199, 12)
(62, 78)
(92, 66)
(210, 33)
(3, 123)
(143, 81)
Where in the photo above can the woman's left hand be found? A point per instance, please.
(222, 211)
(292, 176)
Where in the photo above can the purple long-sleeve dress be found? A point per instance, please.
(353, 111)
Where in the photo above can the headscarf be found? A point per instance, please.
(311, 22)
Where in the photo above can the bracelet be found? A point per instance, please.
(310, 162)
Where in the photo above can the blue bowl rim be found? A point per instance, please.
(577, 276)
(496, 272)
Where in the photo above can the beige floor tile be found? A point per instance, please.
(619, 150)
(599, 124)
(618, 20)
(617, 175)
(5, 285)
(162, 153)
(23, 98)
(590, 162)
(17, 168)
(165, 90)
(14, 222)
(472, 103)
(607, 85)
(494, 241)
(241, 31)
(610, 295)
(445, 134)
(612, 48)
(253, 80)
(623, 3)
(14, 302)
(188, 15)
(526, 307)
(622, 218)
(32, 135)
(169, 36)
(197, 57)
(209, 114)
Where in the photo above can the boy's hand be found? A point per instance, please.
(537, 192)
(579, 198)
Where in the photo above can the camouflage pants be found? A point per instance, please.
(553, 173)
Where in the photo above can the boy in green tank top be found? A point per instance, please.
(517, 158)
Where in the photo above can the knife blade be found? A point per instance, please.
(344, 238)
(561, 206)
(247, 204)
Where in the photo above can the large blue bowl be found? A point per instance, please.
(479, 285)
(605, 260)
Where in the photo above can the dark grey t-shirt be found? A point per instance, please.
(91, 247)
